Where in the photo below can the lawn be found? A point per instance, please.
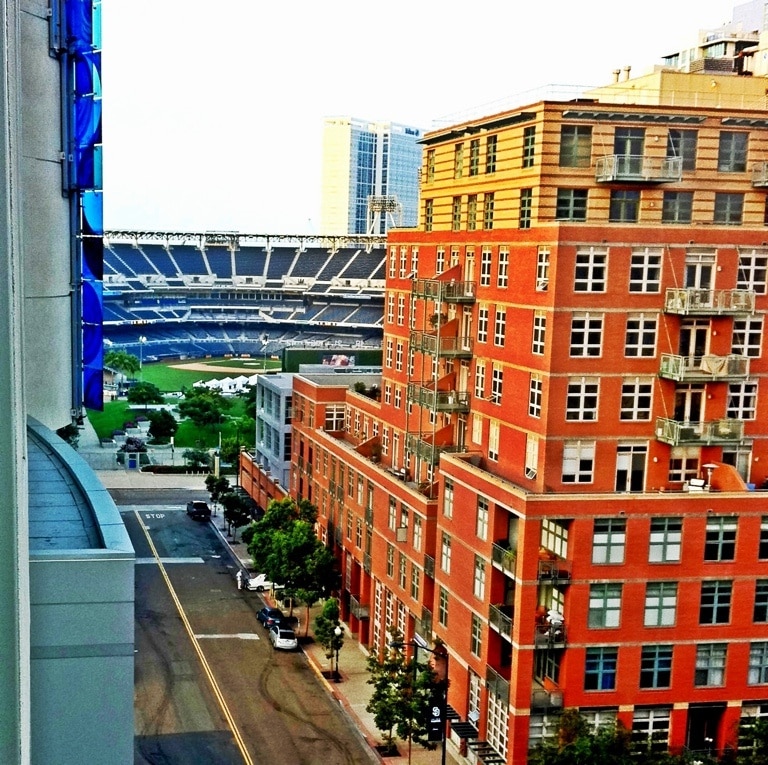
(169, 378)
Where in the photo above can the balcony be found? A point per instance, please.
(713, 432)
(497, 684)
(554, 571)
(503, 557)
(694, 301)
(500, 618)
(703, 368)
(426, 451)
(550, 635)
(448, 292)
(438, 400)
(367, 563)
(541, 698)
(429, 566)
(442, 347)
(760, 175)
(357, 609)
(633, 168)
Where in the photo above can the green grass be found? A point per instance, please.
(170, 379)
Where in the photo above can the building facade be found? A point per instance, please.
(370, 178)
(565, 477)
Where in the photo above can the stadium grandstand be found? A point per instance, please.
(187, 295)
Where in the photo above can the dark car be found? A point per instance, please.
(198, 510)
(269, 616)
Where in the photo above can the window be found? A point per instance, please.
(682, 143)
(482, 324)
(535, 391)
(488, 203)
(571, 204)
(531, 455)
(474, 156)
(442, 607)
(493, 440)
(445, 554)
(448, 498)
(402, 567)
(715, 604)
(502, 277)
(604, 605)
(677, 207)
(710, 664)
(578, 461)
(480, 379)
(747, 336)
(390, 560)
(762, 551)
(665, 540)
(720, 539)
(430, 165)
(415, 581)
(334, 416)
(758, 664)
(683, 463)
(539, 333)
(760, 613)
(586, 334)
(418, 532)
(497, 384)
(478, 586)
(398, 360)
(472, 212)
(636, 394)
(481, 522)
(609, 538)
(581, 399)
(490, 153)
(645, 271)
(600, 668)
(542, 269)
(753, 268)
(640, 337)
(590, 270)
(660, 604)
(440, 260)
(732, 152)
(456, 214)
(400, 310)
(624, 206)
(650, 728)
(429, 214)
(500, 327)
(458, 160)
(529, 145)
(476, 635)
(485, 267)
(526, 207)
(656, 666)
(729, 208)
(575, 145)
(477, 428)
(554, 537)
(742, 400)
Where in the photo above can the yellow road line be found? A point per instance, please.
(206, 667)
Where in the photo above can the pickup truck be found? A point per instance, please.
(198, 510)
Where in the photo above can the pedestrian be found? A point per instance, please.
(239, 577)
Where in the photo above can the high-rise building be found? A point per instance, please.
(370, 176)
(66, 562)
(565, 477)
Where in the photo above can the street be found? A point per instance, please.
(209, 688)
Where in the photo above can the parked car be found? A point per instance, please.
(260, 583)
(270, 616)
(283, 637)
(199, 510)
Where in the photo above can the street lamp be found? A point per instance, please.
(264, 340)
(338, 633)
(142, 340)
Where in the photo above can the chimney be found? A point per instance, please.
(627, 70)
(616, 73)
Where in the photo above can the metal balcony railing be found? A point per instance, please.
(428, 452)
(687, 301)
(679, 433)
(504, 557)
(438, 400)
(544, 699)
(442, 347)
(357, 609)
(636, 168)
(550, 635)
(448, 292)
(556, 571)
(500, 618)
(703, 368)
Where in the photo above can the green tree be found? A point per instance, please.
(203, 406)
(236, 512)
(326, 624)
(162, 425)
(249, 395)
(753, 742)
(403, 690)
(196, 458)
(122, 362)
(144, 394)
(216, 486)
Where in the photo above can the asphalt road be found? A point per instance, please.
(209, 688)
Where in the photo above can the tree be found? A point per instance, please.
(196, 458)
(122, 362)
(403, 690)
(236, 512)
(753, 742)
(205, 407)
(145, 393)
(326, 625)
(162, 425)
(216, 486)
(249, 395)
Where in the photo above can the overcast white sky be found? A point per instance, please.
(213, 111)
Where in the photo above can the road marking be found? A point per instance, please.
(165, 561)
(234, 636)
(203, 661)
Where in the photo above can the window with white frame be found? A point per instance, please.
(636, 397)
(440, 260)
(753, 269)
(398, 397)
(334, 416)
(448, 490)
(645, 270)
(482, 324)
(609, 537)
(485, 267)
(742, 400)
(591, 270)
(418, 532)
(390, 307)
(650, 728)
(497, 384)
(403, 261)
(531, 455)
(665, 540)
(400, 310)
(455, 256)
(476, 635)
(385, 441)
(539, 333)
(445, 553)
(390, 560)
(747, 336)
(582, 398)
(578, 461)
(542, 269)
(758, 663)
(442, 607)
(660, 604)
(389, 354)
(554, 537)
(493, 440)
(640, 337)
(402, 567)
(414, 259)
(480, 379)
(535, 393)
(683, 463)
(502, 276)
(586, 334)
(478, 585)
(481, 520)
(710, 664)
(399, 357)
(477, 428)
(392, 262)
(388, 393)
(415, 581)
(500, 327)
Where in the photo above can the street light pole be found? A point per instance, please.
(338, 631)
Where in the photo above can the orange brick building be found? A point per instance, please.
(563, 476)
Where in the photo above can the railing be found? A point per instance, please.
(691, 368)
(500, 617)
(695, 300)
(544, 699)
(496, 684)
(426, 451)
(438, 400)
(357, 609)
(550, 635)
(676, 432)
(760, 174)
(429, 566)
(367, 563)
(450, 292)
(455, 347)
(639, 169)
(556, 571)
(504, 557)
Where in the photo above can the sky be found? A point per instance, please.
(213, 111)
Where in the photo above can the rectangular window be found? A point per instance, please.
(656, 666)
(742, 401)
(640, 337)
(758, 664)
(430, 165)
(497, 384)
(480, 379)
(747, 337)
(502, 276)
(531, 455)
(539, 333)
(400, 310)
(710, 664)
(458, 160)
(554, 537)
(624, 206)
(720, 539)
(474, 156)
(609, 538)
(575, 145)
(581, 399)
(481, 522)
(660, 604)
(542, 269)
(398, 358)
(529, 145)
(445, 554)
(490, 153)
(442, 607)
(482, 324)
(415, 581)
(478, 586)
(578, 461)
(636, 395)
(604, 605)
(500, 327)
(650, 728)
(760, 612)
(456, 214)
(753, 268)
(429, 214)
(762, 550)
(493, 440)
(440, 260)
(715, 603)
(732, 152)
(448, 498)
(665, 540)
(729, 208)
(472, 212)
(591, 266)
(645, 271)
(600, 668)
(402, 571)
(485, 267)
(535, 391)
(571, 204)
(418, 532)
(683, 463)
(526, 207)
(586, 334)
(682, 143)
(476, 635)
(390, 560)
(677, 207)
(488, 204)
